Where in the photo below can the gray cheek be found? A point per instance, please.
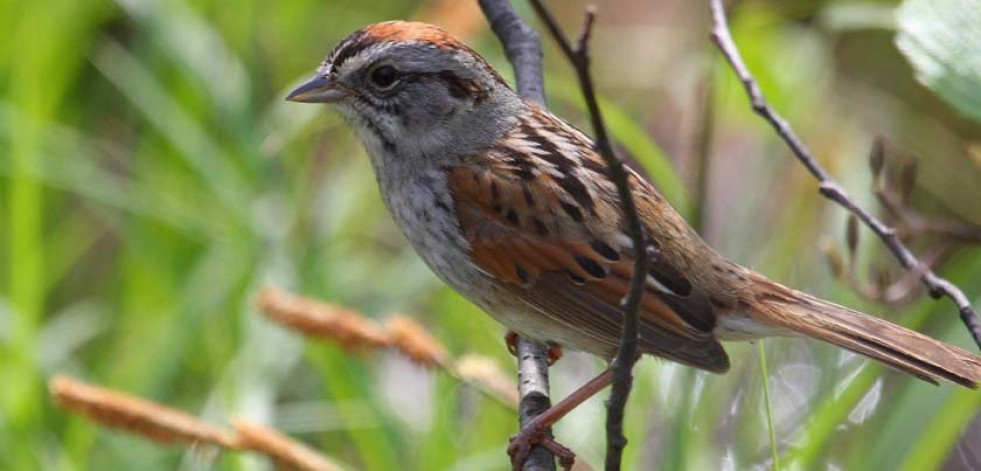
(428, 108)
(391, 124)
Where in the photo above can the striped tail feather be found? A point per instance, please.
(893, 345)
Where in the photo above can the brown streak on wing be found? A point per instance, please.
(562, 273)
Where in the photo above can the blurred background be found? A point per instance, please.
(153, 180)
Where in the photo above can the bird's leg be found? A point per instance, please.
(511, 339)
(536, 431)
(554, 351)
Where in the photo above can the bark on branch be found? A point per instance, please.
(627, 352)
(519, 39)
(524, 50)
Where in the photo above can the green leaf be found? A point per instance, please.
(942, 41)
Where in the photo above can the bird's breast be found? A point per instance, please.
(424, 211)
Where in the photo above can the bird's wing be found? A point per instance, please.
(548, 228)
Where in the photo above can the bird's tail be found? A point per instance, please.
(895, 346)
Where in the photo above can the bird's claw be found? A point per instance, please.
(511, 339)
(554, 351)
(521, 444)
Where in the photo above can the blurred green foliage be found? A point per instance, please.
(943, 43)
(152, 180)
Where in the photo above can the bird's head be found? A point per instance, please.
(411, 87)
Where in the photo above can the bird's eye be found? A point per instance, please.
(384, 77)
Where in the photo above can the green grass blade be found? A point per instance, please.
(942, 431)
(210, 161)
(765, 377)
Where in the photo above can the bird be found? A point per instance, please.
(514, 208)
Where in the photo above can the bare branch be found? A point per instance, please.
(524, 50)
(522, 45)
(533, 391)
(937, 286)
(627, 351)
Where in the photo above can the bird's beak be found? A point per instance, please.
(319, 89)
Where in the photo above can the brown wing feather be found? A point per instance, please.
(565, 256)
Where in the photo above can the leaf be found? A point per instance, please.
(942, 41)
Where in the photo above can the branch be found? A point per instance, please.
(524, 50)
(533, 391)
(937, 286)
(522, 45)
(627, 351)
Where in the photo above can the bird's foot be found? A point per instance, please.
(521, 445)
(554, 351)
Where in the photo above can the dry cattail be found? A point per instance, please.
(152, 420)
(484, 374)
(400, 332)
(348, 328)
(280, 448)
(413, 341)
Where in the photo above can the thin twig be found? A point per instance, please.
(523, 47)
(910, 222)
(880, 289)
(627, 351)
(937, 286)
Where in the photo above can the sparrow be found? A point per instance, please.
(513, 208)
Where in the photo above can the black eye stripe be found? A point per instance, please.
(387, 100)
(457, 86)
